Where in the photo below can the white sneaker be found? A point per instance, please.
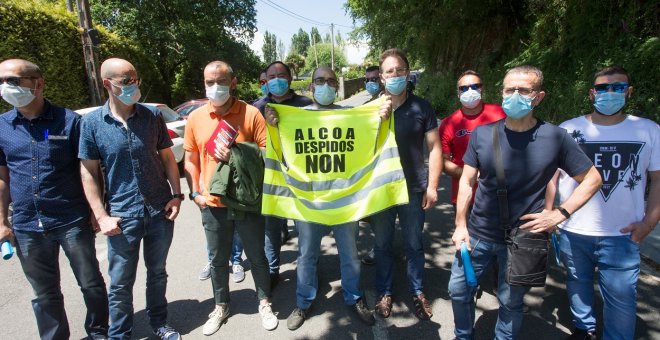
(238, 273)
(268, 319)
(216, 318)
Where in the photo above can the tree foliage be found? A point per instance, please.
(324, 58)
(182, 36)
(300, 43)
(568, 39)
(296, 62)
(315, 36)
(269, 48)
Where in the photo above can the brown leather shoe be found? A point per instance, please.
(423, 308)
(384, 306)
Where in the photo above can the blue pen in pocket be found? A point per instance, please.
(46, 135)
(555, 245)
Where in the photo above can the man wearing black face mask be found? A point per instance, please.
(607, 230)
(132, 142)
(40, 168)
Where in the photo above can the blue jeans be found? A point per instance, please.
(39, 255)
(219, 233)
(411, 218)
(123, 254)
(510, 298)
(273, 243)
(617, 259)
(309, 250)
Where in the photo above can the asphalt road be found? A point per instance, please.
(190, 299)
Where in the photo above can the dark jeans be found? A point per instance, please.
(411, 218)
(219, 235)
(123, 255)
(39, 254)
(273, 245)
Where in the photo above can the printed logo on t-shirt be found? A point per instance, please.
(617, 162)
(463, 132)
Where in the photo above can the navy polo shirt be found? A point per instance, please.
(44, 170)
(135, 177)
(295, 100)
(412, 120)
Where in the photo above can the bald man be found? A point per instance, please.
(219, 224)
(132, 143)
(39, 167)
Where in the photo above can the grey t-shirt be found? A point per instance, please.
(530, 160)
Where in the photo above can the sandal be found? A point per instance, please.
(384, 306)
(423, 308)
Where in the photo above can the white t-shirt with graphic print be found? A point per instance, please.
(622, 154)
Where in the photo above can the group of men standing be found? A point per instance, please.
(112, 172)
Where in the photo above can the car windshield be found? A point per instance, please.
(168, 114)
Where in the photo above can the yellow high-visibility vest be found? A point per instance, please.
(332, 167)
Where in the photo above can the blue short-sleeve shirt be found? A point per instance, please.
(44, 170)
(135, 177)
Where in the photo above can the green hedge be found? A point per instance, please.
(48, 35)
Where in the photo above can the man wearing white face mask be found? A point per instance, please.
(455, 130)
(219, 225)
(606, 232)
(141, 184)
(40, 171)
(531, 152)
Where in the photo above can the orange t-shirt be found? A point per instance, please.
(200, 126)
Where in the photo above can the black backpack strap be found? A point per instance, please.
(502, 198)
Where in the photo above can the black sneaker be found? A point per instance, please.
(166, 332)
(296, 319)
(360, 308)
(581, 334)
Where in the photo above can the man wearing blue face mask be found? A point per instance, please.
(414, 123)
(372, 82)
(40, 174)
(606, 232)
(278, 75)
(531, 152)
(142, 188)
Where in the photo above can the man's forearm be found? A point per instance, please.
(91, 181)
(171, 171)
(589, 185)
(192, 167)
(4, 194)
(451, 169)
(435, 168)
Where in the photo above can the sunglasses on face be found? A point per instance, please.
(14, 81)
(395, 71)
(464, 88)
(125, 81)
(322, 81)
(372, 80)
(619, 87)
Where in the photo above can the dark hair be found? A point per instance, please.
(468, 73)
(394, 52)
(528, 69)
(371, 69)
(286, 67)
(610, 70)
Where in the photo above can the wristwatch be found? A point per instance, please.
(179, 196)
(563, 212)
(193, 194)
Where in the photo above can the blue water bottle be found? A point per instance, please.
(470, 277)
(555, 245)
(7, 250)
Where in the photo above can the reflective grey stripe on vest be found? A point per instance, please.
(339, 183)
(388, 177)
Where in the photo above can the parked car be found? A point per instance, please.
(186, 108)
(176, 126)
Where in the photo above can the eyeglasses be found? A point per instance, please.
(396, 71)
(619, 87)
(126, 81)
(525, 91)
(464, 88)
(372, 80)
(322, 81)
(14, 81)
